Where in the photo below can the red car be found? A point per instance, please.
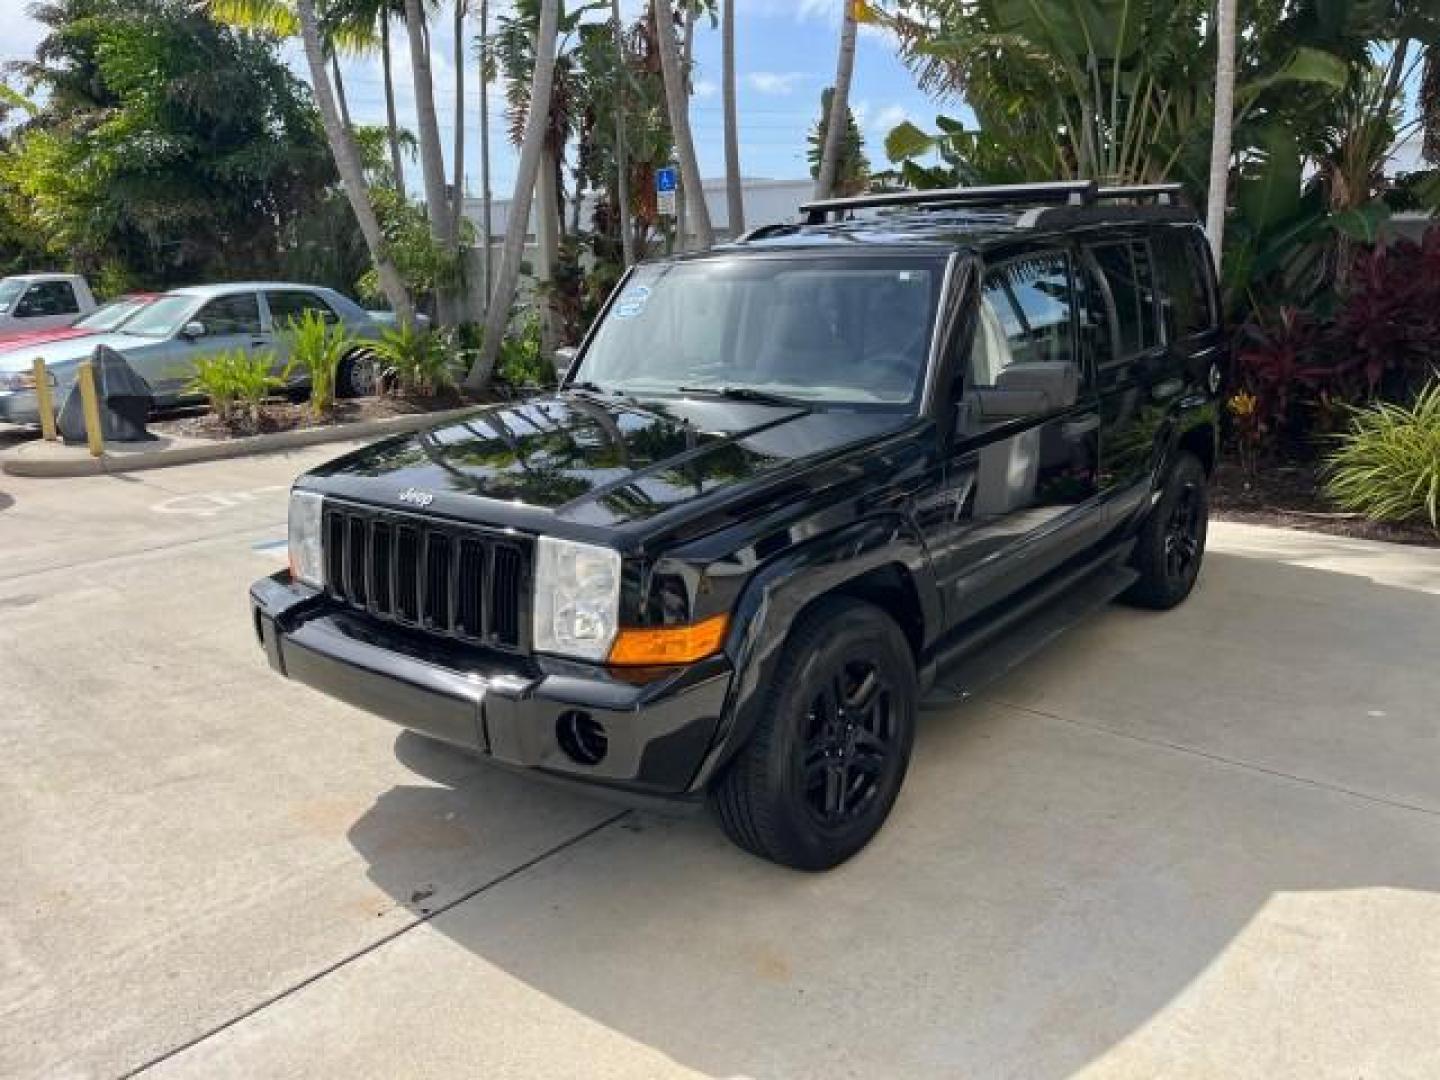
(102, 320)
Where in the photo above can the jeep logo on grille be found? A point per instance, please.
(416, 497)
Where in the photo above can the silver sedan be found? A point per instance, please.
(163, 341)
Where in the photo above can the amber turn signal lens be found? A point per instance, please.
(670, 644)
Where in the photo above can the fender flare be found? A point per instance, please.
(782, 588)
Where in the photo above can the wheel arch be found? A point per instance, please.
(881, 561)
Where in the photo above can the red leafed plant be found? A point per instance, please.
(1382, 342)
(1279, 362)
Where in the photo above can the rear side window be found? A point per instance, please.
(288, 307)
(238, 314)
(1185, 297)
(1129, 275)
(48, 298)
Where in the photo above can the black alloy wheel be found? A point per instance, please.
(1183, 533)
(849, 743)
(1170, 545)
(831, 743)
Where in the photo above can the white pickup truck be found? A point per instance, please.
(30, 302)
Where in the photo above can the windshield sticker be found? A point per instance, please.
(632, 302)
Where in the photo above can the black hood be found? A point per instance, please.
(596, 461)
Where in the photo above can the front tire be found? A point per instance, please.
(1171, 543)
(824, 766)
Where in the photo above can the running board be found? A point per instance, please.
(989, 652)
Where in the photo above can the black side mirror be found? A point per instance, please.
(1025, 389)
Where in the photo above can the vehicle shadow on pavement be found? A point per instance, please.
(1206, 841)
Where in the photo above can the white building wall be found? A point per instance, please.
(767, 202)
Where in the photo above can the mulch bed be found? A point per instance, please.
(1289, 496)
(283, 415)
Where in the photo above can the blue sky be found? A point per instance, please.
(785, 56)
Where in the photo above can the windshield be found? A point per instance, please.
(10, 292)
(162, 317)
(853, 330)
(109, 316)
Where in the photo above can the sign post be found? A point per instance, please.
(667, 182)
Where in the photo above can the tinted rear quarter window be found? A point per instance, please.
(1185, 296)
(1128, 272)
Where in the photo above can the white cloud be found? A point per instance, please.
(887, 118)
(704, 88)
(774, 82)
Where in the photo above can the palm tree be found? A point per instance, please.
(457, 195)
(286, 18)
(536, 131)
(839, 105)
(363, 26)
(1223, 125)
(432, 160)
(687, 66)
(392, 125)
(679, 108)
(734, 199)
(482, 44)
(622, 161)
(347, 162)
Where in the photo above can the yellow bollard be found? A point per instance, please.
(90, 401)
(45, 402)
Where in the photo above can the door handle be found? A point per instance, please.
(1073, 429)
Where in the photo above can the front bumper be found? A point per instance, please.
(518, 711)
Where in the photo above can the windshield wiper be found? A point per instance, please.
(588, 387)
(747, 393)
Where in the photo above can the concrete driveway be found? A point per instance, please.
(1198, 844)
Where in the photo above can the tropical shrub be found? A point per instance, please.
(236, 384)
(1387, 466)
(317, 347)
(522, 362)
(418, 361)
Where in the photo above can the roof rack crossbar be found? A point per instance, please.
(1076, 192)
(1163, 194)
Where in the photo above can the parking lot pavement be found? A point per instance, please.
(1205, 843)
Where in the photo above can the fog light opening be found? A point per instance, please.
(582, 737)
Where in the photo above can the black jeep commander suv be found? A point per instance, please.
(788, 489)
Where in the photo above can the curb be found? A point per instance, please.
(16, 463)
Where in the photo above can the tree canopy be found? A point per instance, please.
(165, 147)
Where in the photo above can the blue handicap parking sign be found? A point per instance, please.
(667, 179)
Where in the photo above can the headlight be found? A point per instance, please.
(307, 560)
(577, 598)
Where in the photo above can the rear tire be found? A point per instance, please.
(358, 376)
(1171, 545)
(825, 763)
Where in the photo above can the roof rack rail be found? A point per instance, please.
(763, 231)
(1163, 194)
(1076, 192)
